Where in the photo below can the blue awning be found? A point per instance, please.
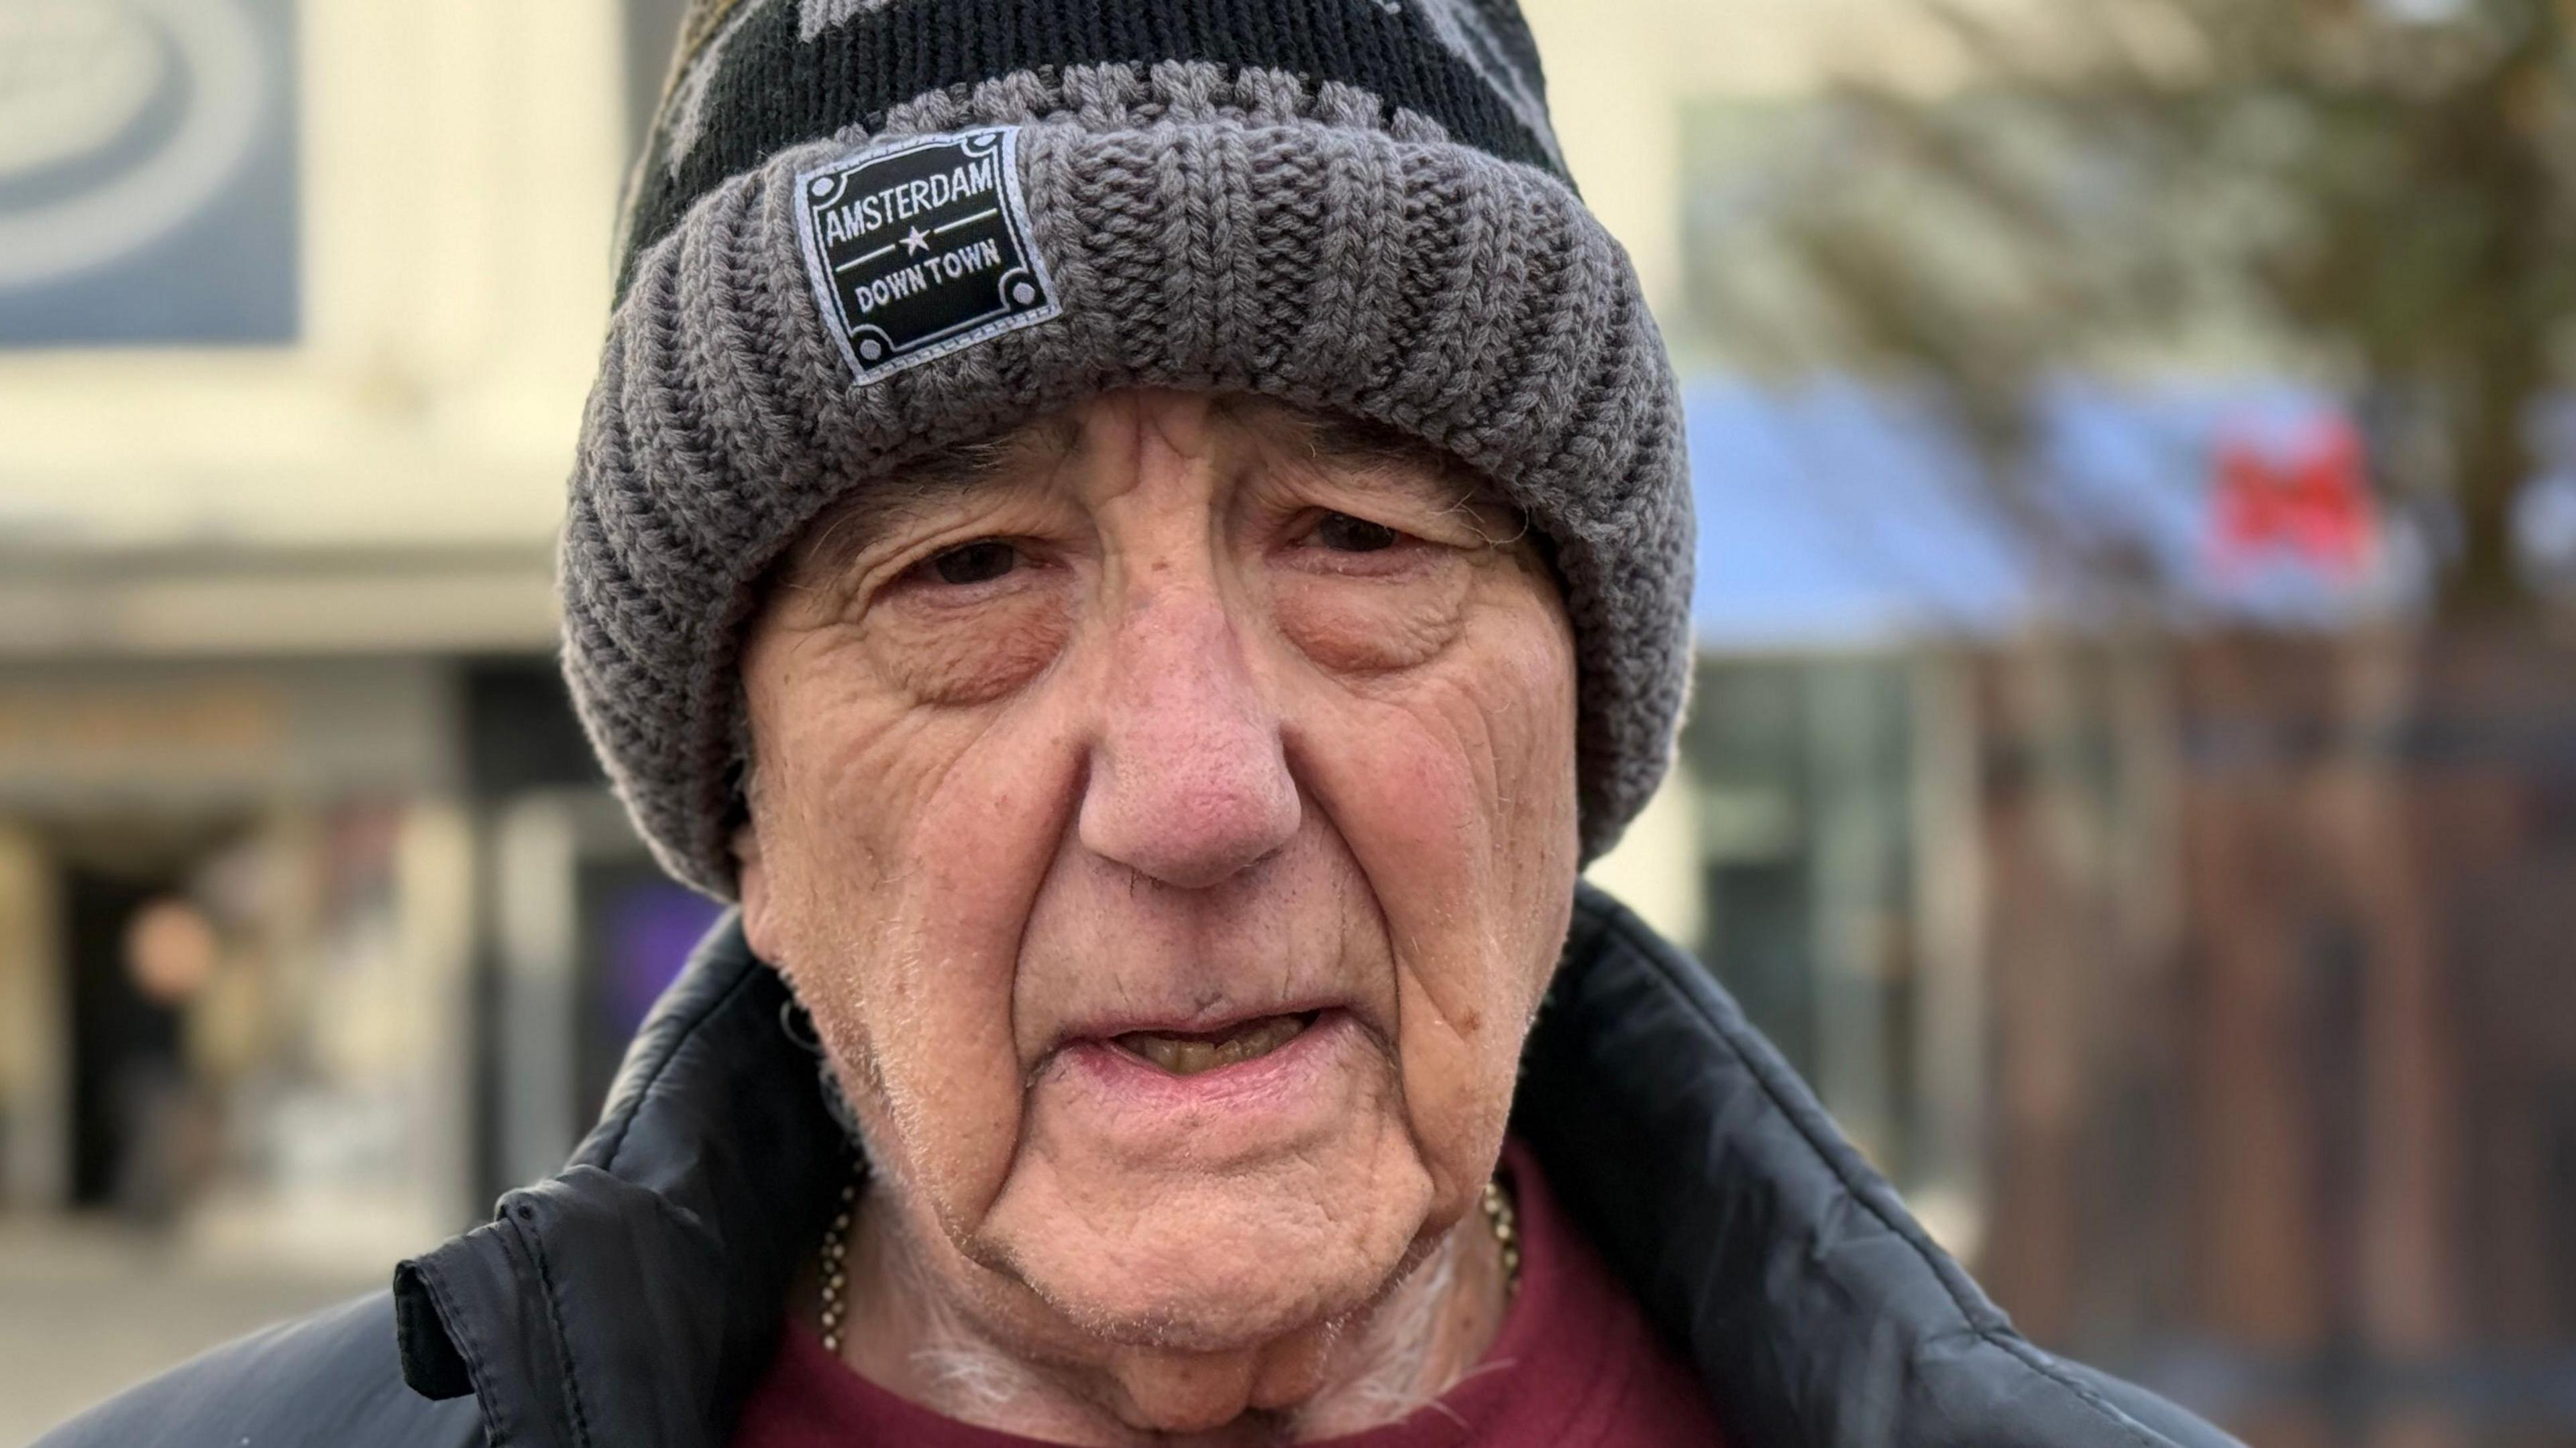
(1834, 515)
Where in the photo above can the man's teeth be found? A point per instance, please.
(1189, 1055)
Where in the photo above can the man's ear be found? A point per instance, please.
(751, 889)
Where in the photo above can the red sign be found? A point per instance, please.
(2310, 501)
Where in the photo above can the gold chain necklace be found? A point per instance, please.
(836, 1266)
(836, 1254)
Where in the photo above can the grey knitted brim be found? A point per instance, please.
(1202, 229)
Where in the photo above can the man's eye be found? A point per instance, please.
(1345, 534)
(978, 562)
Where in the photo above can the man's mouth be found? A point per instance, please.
(1187, 1053)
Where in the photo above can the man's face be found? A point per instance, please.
(1170, 831)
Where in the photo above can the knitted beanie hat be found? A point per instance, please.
(865, 232)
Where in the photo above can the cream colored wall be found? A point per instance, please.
(459, 165)
(1620, 71)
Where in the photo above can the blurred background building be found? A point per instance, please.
(2133, 769)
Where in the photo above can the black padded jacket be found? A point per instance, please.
(633, 1300)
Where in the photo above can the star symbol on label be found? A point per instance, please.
(914, 241)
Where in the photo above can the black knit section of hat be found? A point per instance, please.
(770, 89)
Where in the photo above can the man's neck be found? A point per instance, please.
(908, 1335)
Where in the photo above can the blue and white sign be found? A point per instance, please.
(147, 172)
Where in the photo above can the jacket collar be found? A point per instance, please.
(634, 1299)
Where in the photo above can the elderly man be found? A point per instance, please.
(1145, 544)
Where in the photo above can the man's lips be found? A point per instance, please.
(1110, 1093)
(1189, 1053)
(1186, 1044)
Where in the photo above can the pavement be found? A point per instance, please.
(89, 1307)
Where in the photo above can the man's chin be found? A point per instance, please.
(1178, 1314)
(1212, 1260)
(1212, 1289)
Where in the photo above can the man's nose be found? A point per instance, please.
(1189, 781)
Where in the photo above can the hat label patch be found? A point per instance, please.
(921, 247)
